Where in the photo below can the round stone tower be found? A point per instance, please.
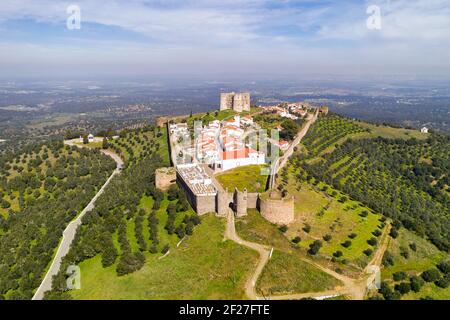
(241, 202)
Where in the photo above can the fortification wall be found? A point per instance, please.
(223, 202)
(252, 200)
(278, 211)
(241, 202)
(205, 204)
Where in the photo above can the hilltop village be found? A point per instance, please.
(237, 135)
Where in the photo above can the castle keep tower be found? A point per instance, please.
(237, 101)
(226, 101)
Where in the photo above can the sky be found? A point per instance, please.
(244, 38)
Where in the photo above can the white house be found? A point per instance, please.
(237, 158)
(424, 130)
(90, 137)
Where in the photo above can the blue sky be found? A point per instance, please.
(244, 37)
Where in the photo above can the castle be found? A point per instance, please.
(205, 195)
(236, 101)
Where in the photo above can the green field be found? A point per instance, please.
(247, 177)
(286, 274)
(202, 267)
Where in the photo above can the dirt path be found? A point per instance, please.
(264, 252)
(70, 231)
(349, 286)
(353, 288)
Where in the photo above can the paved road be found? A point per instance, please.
(281, 162)
(69, 232)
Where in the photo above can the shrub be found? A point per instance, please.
(372, 241)
(346, 244)
(283, 228)
(413, 246)
(165, 249)
(416, 283)
(352, 235)
(307, 228)
(364, 213)
(337, 254)
(399, 276)
(442, 283)
(431, 275)
(388, 259)
(393, 233)
(377, 233)
(327, 237)
(315, 247)
(368, 252)
(296, 240)
(403, 287)
(444, 267)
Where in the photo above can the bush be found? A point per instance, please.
(307, 228)
(165, 249)
(413, 246)
(327, 237)
(337, 254)
(403, 287)
(364, 213)
(315, 247)
(283, 228)
(431, 275)
(388, 259)
(377, 233)
(296, 240)
(372, 241)
(393, 233)
(442, 283)
(346, 244)
(399, 276)
(352, 235)
(444, 267)
(368, 252)
(416, 283)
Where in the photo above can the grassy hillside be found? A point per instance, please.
(202, 267)
(286, 274)
(287, 271)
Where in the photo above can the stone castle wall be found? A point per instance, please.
(277, 210)
(202, 204)
(252, 200)
(240, 202)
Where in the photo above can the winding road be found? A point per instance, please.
(70, 231)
